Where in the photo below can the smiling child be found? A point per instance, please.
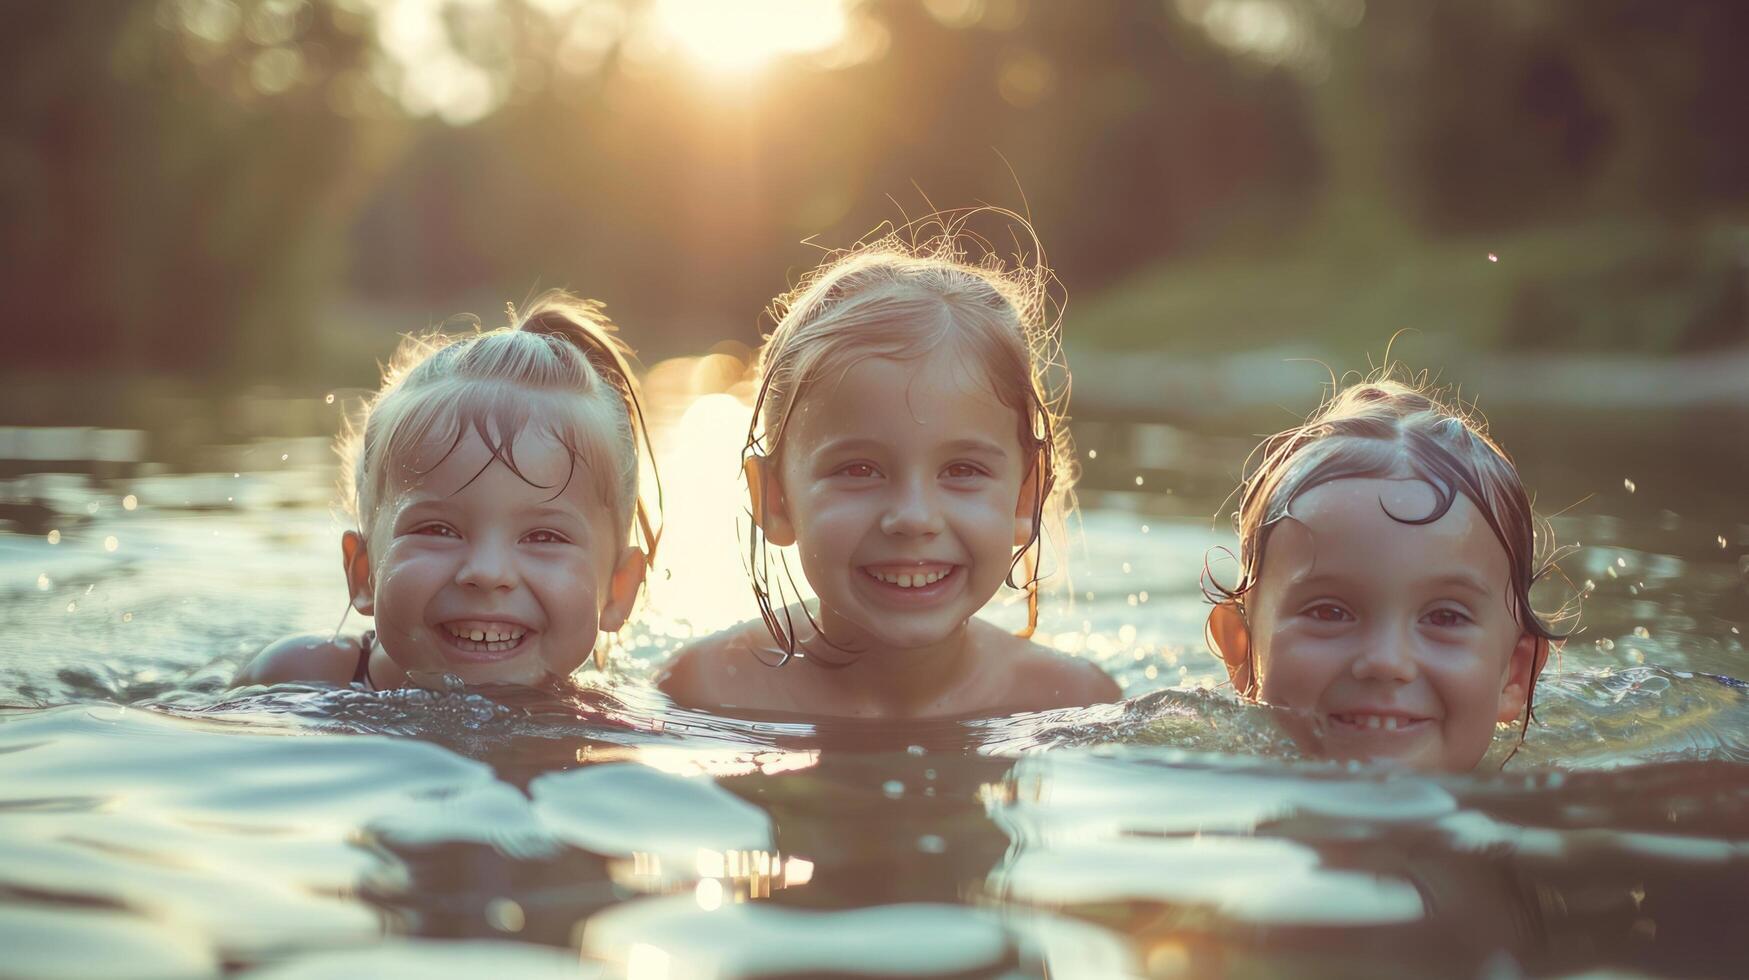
(905, 443)
(1387, 552)
(494, 480)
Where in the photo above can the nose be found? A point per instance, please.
(912, 511)
(487, 566)
(1388, 656)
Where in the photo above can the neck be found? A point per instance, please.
(879, 679)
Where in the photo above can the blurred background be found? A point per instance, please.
(214, 195)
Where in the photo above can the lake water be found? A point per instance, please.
(154, 823)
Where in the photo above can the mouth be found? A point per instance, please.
(1377, 722)
(912, 583)
(483, 640)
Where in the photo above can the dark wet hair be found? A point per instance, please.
(903, 294)
(1384, 428)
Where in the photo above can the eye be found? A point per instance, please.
(857, 471)
(545, 535)
(964, 471)
(1446, 618)
(1327, 612)
(436, 529)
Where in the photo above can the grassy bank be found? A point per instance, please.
(1626, 285)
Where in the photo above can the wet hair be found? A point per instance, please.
(557, 362)
(1385, 428)
(928, 286)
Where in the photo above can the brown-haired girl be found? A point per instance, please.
(1387, 550)
(907, 441)
(494, 482)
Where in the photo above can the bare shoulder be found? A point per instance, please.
(314, 658)
(1044, 679)
(707, 673)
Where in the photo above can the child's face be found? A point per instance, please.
(902, 486)
(475, 572)
(1399, 639)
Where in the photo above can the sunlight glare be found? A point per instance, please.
(743, 36)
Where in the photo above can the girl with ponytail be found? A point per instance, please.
(492, 483)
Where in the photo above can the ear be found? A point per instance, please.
(355, 558)
(1026, 507)
(1529, 655)
(765, 499)
(1229, 636)
(622, 590)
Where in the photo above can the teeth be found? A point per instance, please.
(486, 636)
(908, 580)
(1389, 723)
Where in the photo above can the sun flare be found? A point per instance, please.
(745, 35)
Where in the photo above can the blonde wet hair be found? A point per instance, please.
(929, 285)
(557, 360)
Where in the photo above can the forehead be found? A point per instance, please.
(447, 467)
(1359, 528)
(941, 396)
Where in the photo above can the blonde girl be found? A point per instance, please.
(907, 440)
(494, 484)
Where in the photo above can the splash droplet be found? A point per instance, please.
(92, 507)
(127, 617)
(1723, 543)
(893, 788)
(1092, 454)
(1629, 485)
(1144, 529)
(44, 583)
(931, 844)
(1606, 644)
(1142, 595)
(73, 605)
(330, 398)
(505, 915)
(1642, 633)
(110, 543)
(1621, 563)
(1636, 656)
(1126, 568)
(1138, 481)
(236, 476)
(55, 536)
(284, 456)
(1492, 257)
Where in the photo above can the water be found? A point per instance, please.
(154, 823)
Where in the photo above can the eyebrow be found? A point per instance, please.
(976, 446)
(968, 445)
(1459, 580)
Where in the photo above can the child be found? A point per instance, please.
(904, 442)
(1386, 554)
(494, 482)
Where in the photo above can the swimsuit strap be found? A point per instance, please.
(361, 673)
